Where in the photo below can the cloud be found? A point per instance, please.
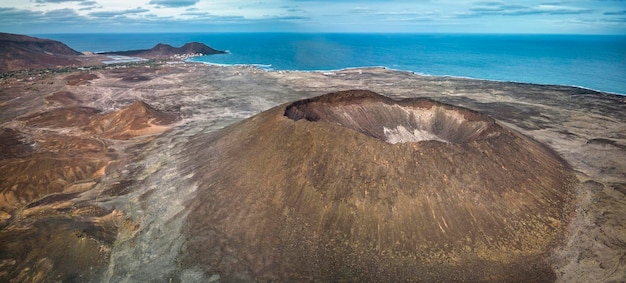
(104, 14)
(292, 9)
(364, 1)
(361, 9)
(615, 13)
(60, 1)
(12, 15)
(313, 15)
(110, 14)
(135, 11)
(88, 3)
(66, 15)
(399, 13)
(616, 20)
(488, 3)
(288, 18)
(498, 8)
(196, 13)
(37, 21)
(173, 3)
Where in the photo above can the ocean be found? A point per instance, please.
(591, 61)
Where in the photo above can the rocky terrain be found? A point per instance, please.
(164, 173)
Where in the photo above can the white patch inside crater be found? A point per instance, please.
(395, 123)
(434, 124)
(401, 135)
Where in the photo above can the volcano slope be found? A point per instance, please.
(356, 186)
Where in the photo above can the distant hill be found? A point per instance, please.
(18, 52)
(25, 52)
(164, 50)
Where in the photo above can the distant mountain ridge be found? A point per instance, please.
(165, 50)
(26, 52)
(20, 52)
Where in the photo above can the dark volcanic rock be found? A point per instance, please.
(355, 186)
(164, 50)
(25, 52)
(62, 248)
(13, 144)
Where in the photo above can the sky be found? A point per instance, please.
(405, 16)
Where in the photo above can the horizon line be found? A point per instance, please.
(331, 32)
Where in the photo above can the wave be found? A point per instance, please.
(332, 72)
(267, 67)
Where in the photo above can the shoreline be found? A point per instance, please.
(270, 69)
(135, 61)
(500, 61)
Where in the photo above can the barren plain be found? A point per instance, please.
(96, 186)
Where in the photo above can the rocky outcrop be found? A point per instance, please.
(24, 52)
(359, 187)
(165, 51)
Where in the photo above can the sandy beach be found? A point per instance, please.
(113, 199)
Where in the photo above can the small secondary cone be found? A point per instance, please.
(359, 187)
(135, 120)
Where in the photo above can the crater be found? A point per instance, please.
(392, 121)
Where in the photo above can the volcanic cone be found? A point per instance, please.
(359, 187)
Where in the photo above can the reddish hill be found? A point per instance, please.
(135, 120)
(24, 52)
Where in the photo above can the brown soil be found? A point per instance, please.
(133, 220)
(328, 198)
(45, 166)
(137, 120)
(80, 78)
(64, 98)
(24, 52)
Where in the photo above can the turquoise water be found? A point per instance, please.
(590, 61)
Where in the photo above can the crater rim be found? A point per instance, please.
(408, 120)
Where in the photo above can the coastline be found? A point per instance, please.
(268, 68)
(591, 62)
(515, 58)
